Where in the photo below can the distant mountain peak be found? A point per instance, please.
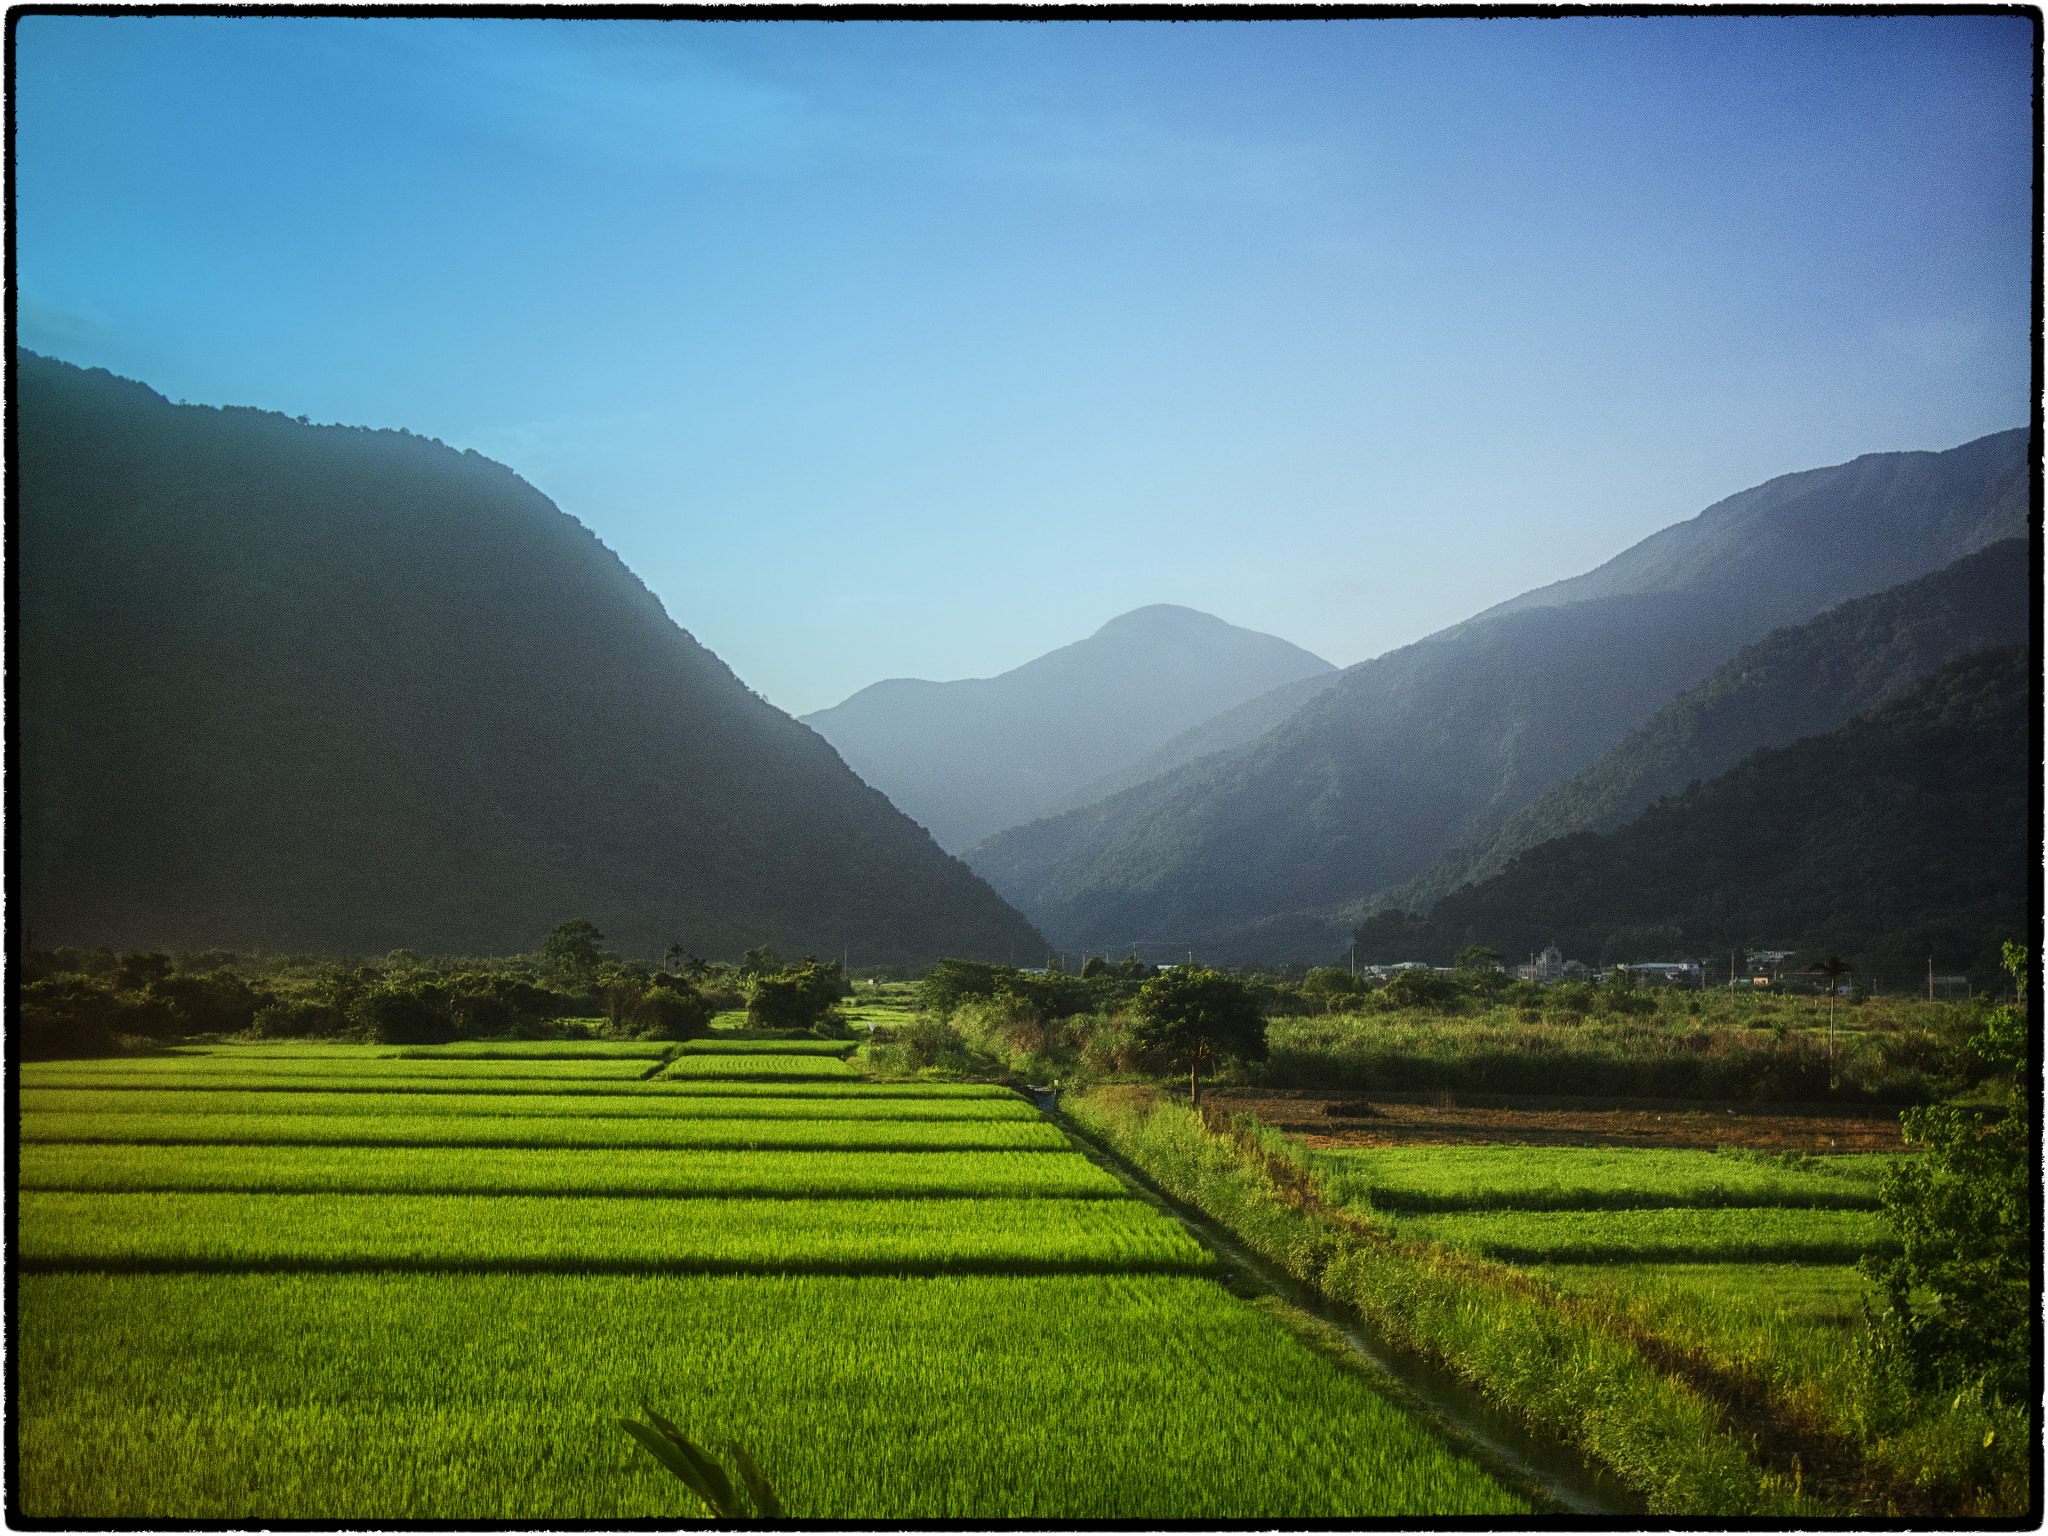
(971, 757)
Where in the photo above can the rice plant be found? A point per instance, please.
(67, 1101)
(539, 1171)
(596, 1234)
(426, 1130)
(485, 1398)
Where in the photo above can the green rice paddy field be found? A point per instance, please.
(340, 1283)
(1748, 1258)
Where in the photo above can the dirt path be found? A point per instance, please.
(1393, 1120)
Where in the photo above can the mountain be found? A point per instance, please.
(1270, 850)
(969, 758)
(1219, 733)
(287, 688)
(1903, 836)
(1799, 681)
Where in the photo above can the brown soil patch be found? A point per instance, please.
(1397, 1120)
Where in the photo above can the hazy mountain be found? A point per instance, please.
(1765, 550)
(1269, 850)
(971, 757)
(283, 687)
(1795, 682)
(1902, 836)
(1233, 728)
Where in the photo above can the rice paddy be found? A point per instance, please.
(343, 1284)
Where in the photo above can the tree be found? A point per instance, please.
(1477, 957)
(696, 968)
(1093, 967)
(760, 961)
(1964, 1215)
(1834, 968)
(1199, 1017)
(574, 948)
(797, 998)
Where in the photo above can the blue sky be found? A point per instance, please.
(921, 348)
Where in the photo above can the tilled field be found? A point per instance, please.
(1394, 1120)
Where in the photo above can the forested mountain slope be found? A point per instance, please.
(1902, 836)
(1803, 542)
(294, 688)
(1270, 850)
(969, 758)
(1800, 681)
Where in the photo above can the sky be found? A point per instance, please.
(920, 348)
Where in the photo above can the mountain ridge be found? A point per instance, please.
(1410, 753)
(285, 687)
(970, 756)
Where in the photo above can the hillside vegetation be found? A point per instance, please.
(1272, 849)
(1795, 682)
(295, 688)
(1900, 837)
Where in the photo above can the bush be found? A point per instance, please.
(296, 1021)
(402, 1018)
(927, 1043)
(798, 998)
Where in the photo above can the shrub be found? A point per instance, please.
(296, 1020)
(798, 998)
(402, 1018)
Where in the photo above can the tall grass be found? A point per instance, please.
(482, 1398)
(1653, 1056)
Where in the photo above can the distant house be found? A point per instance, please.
(1547, 966)
(1665, 972)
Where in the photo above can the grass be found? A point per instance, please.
(1430, 1178)
(702, 1046)
(66, 1101)
(429, 1130)
(479, 1171)
(488, 1398)
(1729, 1236)
(596, 1234)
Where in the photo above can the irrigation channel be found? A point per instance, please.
(1540, 1464)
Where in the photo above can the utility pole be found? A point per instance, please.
(1930, 978)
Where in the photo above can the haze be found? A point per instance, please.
(893, 349)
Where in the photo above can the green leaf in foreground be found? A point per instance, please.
(695, 1469)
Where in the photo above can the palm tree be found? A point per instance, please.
(1834, 968)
